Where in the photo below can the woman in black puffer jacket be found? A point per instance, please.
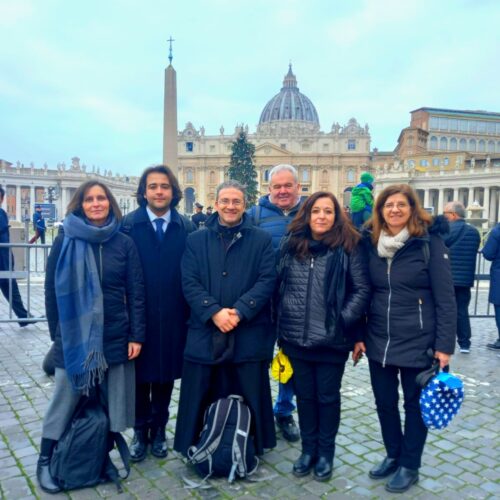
(412, 310)
(323, 294)
(94, 298)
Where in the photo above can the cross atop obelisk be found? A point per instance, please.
(170, 56)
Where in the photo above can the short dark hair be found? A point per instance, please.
(342, 234)
(75, 206)
(158, 169)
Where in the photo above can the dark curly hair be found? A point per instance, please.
(159, 169)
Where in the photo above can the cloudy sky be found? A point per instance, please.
(86, 78)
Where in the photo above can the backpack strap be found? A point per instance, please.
(221, 410)
(239, 450)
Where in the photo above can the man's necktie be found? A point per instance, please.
(159, 228)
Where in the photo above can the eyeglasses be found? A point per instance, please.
(225, 202)
(399, 206)
(448, 213)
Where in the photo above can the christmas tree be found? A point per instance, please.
(242, 168)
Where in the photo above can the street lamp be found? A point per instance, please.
(125, 205)
(51, 194)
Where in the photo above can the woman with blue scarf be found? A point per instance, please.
(94, 298)
(323, 293)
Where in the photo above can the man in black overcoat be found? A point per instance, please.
(159, 233)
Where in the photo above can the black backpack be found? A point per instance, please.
(81, 456)
(225, 448)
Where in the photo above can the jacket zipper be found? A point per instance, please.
(420, 314)
(309, 286)
(389, 262)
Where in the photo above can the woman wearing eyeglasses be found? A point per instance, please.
(412, 310)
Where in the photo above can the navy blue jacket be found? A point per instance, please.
(413, 304)
(4, 238)
(123, 296)
(242, 277)
(491, 251)
(272, 219)
(166, 309)
(463, 243)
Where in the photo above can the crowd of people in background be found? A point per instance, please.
(135, 303)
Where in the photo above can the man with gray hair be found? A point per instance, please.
(273, 213)
(463, 242)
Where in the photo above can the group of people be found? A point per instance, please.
(142, 301)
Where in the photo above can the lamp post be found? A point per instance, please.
(125, 205)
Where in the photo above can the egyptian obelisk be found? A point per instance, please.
(170, 115)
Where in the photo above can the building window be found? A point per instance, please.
(434, 122)
(324, 177)
(446, 161)
(189, 175)
(212, 149)
(326, 147)
(464, 125)
(410, 140)
(435, 162)
(266, 175)
(305, 189)
(189, 147)
(443, 124)
(453, 122)
(491, 146)
(306, 176)
(481, 127)
(351, 175)
(424, 163)
(433, 144)
(463, 145)
(491, 127)
(472, 126)
(443, 144)
(481, 146)
(306, 146)
(411, 163)
(472, 145)
(351, 144)
(453, 144)
(283, 146)
(212, 177)
(498, 147)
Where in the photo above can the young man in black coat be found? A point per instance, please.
(228, 277)
(159, 233)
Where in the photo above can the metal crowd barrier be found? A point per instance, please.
(35, 259)
(28, 264)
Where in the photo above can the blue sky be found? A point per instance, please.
(86, 78)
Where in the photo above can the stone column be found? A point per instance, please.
(492, 217)
(486, 203)
(32, 199)
(426, 198)
(440, 202)
(470, 201)
(455, 194)
(18, 203)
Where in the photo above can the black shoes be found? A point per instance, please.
(288, 428)
(495, 346)
(384, 468)
(44, 477)
(402, 480)
(139, 445)
(323, 469)
(159, 444)
(304, 464)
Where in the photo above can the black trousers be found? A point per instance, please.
(405, 444)
(317, 387)
(151, 405)
(462, 298)
(17, 302)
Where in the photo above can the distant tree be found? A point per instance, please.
(242, 167)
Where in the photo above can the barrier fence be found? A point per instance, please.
(30, 262)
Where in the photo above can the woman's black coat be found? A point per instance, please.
(123, 297)
(413, 306)
(167, 312)
(243, 277)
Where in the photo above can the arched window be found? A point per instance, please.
(491, 146)
(463, 145)
(324, 177)
(189, 175)
(306, 175)
(498, 147)
(212, 177)
(266, 175)
(481, 146)
(351, 175)
(472, 145)
(433, 144)
(410, 140)
(443, 144)
(453, 144)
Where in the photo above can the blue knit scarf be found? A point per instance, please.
(80, 301)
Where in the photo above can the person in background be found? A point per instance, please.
(38, 225)
(7, 264)
(209, 211)
(273, 213)
(463, 243)
(323, 292)
(199, 218)
(491, 252)
(228, 278)
(94, 298)
(159, 233)
(412, 311)
(362, 200)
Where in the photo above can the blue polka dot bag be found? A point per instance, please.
(441, 397)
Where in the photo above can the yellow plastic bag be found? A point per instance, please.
(281, 368)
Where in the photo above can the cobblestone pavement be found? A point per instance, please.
(462, 461)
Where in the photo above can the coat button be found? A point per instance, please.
(205, 301)
(252, 302)
(224, 273)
